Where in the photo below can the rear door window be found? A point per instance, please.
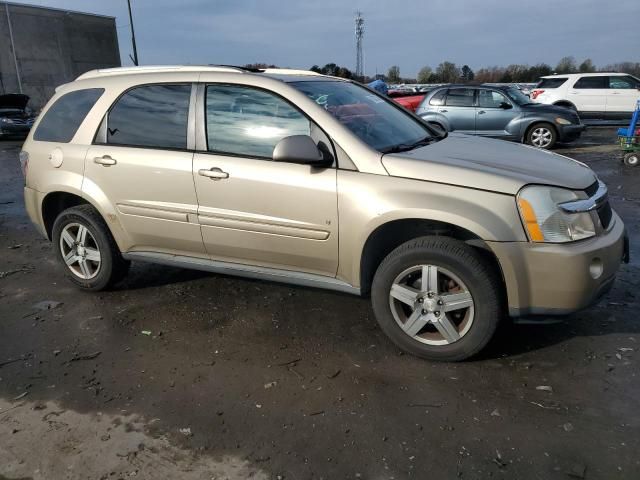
(62, 120)
(153, 116)
(551, 82)
(591, 82)
(460, 97)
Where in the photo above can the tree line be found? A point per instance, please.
(449, 72)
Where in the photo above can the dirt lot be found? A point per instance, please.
(181, 374)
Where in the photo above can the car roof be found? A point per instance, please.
(282, 74)
(573, 75)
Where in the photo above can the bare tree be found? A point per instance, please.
(393, 75)
(424, 74)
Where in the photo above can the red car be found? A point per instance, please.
(409, 100)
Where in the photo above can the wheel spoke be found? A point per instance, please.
(84, 268)
(404, 294)
(68, 239)
(82, 235)
(446, 328)
(456, 301)
(70, 258)
(92, 254)
(430, 278)
(414, 323)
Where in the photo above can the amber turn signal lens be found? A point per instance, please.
(530, 221)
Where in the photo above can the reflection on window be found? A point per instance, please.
(249, 122)
(623, 82)
(151, 116)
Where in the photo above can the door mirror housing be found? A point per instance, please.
(300, 149)
(505, 106)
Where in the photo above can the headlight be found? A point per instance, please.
(544, 221)
(563, 121)
(6, 120)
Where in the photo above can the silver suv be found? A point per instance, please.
(318, 181)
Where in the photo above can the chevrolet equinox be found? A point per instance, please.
(317, 181)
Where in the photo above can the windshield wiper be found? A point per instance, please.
(405, 147)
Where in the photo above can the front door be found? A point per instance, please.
(624, 93)
(255, 211)
(140, 162)
(459, 108)
(493, 114)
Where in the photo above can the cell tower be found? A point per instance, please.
(359, 52)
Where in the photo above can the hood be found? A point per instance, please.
(14, 100)
(487, 164)
(543, 107)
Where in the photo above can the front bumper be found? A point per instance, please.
(567, 133)
(558, 279)
(14, 129)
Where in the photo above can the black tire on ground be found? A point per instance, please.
(631, 159)
(481, 279)
(112, 268)
(533, 130)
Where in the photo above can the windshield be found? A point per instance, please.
(517, 96)
(372, 118)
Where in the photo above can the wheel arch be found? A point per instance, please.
(390, 235)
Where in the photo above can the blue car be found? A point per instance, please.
(499, 112)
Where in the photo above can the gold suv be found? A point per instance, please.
(301, 178)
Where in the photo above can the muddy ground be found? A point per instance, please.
(182, 374)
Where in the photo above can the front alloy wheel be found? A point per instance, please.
(431, 305)
(541, 135)
(438, 298)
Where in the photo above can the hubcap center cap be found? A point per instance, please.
(429, 304)
(81, 251)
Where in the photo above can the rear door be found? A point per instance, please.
(624, 92)
(141, 162)
(459, 108)
(493, 114)
(589, 95)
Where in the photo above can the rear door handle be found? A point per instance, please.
(443, 111)
(214, 173)
(105, 161)
(481, 112)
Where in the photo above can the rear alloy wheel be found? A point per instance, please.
(631, 159)
(85, 247)
(541, 135)
(437, 298)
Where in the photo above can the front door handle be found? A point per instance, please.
(214, 174)
(105, 161)
(443, 111)
(481, 112)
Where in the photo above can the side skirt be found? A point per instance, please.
(248, 271)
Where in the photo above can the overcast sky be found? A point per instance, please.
(408, 33)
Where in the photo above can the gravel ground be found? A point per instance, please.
(182, 374)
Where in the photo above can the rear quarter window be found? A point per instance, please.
(551, 82)
(438, 98)
(62, 120)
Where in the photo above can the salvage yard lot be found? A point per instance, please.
(183, 374)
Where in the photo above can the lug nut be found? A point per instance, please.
(440, 302)
(424, 312)
(430, 294)
(437, 313)
(420, 300)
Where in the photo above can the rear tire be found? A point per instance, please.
(86, 249)
(541, 135)
(438, 299)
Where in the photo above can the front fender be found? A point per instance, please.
(365, 204)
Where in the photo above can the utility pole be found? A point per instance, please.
(134, 59)
(359, 52)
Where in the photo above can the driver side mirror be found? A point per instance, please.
(300, 149)
(505, 105)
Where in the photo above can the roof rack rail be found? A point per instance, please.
(159, 68)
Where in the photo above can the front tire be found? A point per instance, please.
(436, 298)
(542, 135)
(86, 249)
